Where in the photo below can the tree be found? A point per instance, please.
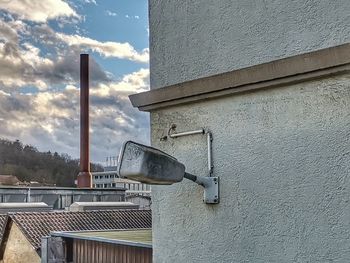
(29, 164)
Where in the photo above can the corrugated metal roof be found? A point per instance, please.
(37, 225)
(127, 237)
(89, 251)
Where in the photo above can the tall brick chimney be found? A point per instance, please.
(84, 177)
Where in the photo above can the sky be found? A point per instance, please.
(40, 44)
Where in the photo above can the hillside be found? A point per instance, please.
(29, 164)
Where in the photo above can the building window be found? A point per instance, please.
(113, 184)
(96, 176)
(105, 186)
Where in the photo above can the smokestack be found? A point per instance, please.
(84, 177)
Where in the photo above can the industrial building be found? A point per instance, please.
(22, 233)
(59, 197)
(136, 192)
(109, 178)
(270, 80)
(134, 246)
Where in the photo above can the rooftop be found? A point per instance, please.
(3, 222)
(35, 225)
(75, 189)
(9, 180)
(139, 238)
(20, 205)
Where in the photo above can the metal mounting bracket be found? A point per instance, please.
(210, 184)
(172, 134)
(211, 189)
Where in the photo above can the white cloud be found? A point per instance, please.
(110, 13)
(19, 67)
(22, 64)
(49, 117)
(135, 82)
(39, 10)
(91, 2)
(130, 16)
(7, 33)
(107, 49)
(50, 120)
(3, 93)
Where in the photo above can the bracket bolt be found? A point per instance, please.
(164, 138)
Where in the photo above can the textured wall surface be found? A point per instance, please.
(18, 249)
(283, 157)
(196, 38)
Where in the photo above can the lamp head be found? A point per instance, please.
(148, 165)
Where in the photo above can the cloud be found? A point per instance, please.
(22, 64)
(39, 98)
(50, 120)
(16, 62)
(91, 2)
(79, 44)
(7, 33)
(106, 49)
(130, 16)
(38, 11)
(110, 13)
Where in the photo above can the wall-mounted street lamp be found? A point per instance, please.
(149, 165)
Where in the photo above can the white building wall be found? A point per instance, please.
(282, 154)
(197, 38)
(283, 158)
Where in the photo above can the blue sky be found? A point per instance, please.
(122, 21)
(40, 43)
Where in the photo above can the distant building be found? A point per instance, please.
(136, 192)
(22, 233)
(24, 207)
(9, 180)
(59, 197)
(110, 179)
(102, 246)
(94, 206)
(14, 181)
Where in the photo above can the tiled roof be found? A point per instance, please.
(3, 221)
(36, 225)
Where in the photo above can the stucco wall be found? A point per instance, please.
(197, 38)
(283, 157)
(18, 249)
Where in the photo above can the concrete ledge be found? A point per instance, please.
(329, 61)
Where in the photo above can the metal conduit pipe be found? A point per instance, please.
(194, 132)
